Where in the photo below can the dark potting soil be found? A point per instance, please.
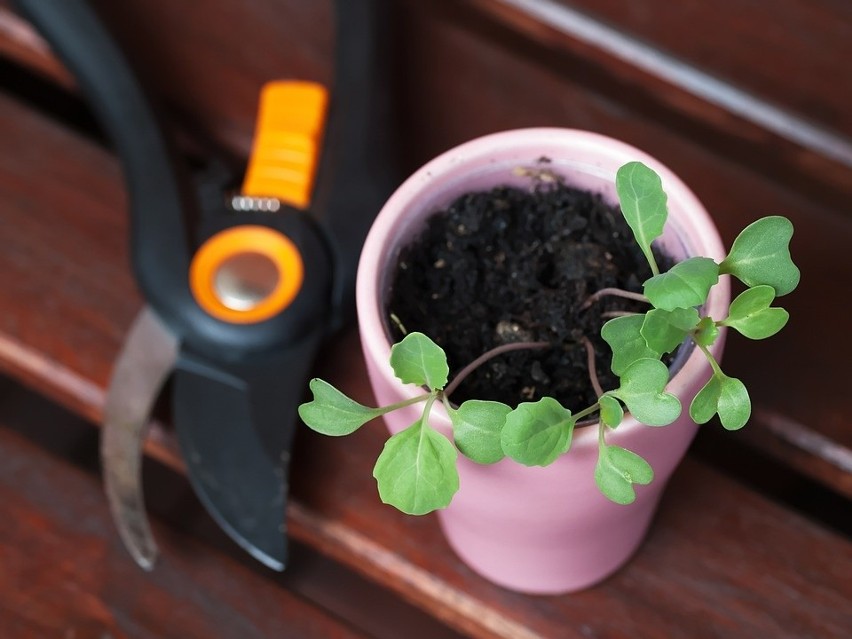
(511, 265)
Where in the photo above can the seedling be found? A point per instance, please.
(416, 472)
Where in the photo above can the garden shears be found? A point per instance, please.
(238, 297)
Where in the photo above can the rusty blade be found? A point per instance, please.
(144, 364)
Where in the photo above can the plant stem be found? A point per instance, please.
(395, 319)
(587, 411)
(601, 432)
(617, 292)
(713, 363)
(407, 402)
(652, 262)
(611, 314)
(424, 419)
(593, 369)
(494, 352)
(446, 402)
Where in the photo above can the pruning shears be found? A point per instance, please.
(239, 297)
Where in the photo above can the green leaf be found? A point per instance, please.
(734, 404)
(664, 331)
(643, 203)
(751, 315)
(761, 255)
(416, 471)
(624, 336)
(477, 425)
(705, 403)
(726, 396)
(685, 285)
(333, 413)
(536, 433)
(616, 472)
(419, 360)
(706, 332)
(610, 411)
(643, 391)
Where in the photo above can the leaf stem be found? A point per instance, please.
(424, 422)
(713, 363)
(424, 419)
(446, 402)
(652, 262)
(616, 292)
(407, 402)
(494, 352)
(586, 411)
(593, 369)
(601, 432)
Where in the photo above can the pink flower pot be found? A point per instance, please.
(538, 530)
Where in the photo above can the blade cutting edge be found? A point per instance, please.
(142, 367)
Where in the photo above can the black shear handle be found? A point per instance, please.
(159, 196)
(358, 170)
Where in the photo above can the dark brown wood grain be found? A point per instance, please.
(20, 42)
(64, 573)
(761, 83)
(67, 296)
(720, 561)
(208, 64)
(793, 52)
(638, 76)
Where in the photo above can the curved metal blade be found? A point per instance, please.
(235, 424)
(144, 364)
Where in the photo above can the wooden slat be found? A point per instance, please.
(64, 573)
(339, 592)
(783, 111)
(209, 65)
(720, 560)
(765, 47)
(20, 42)
(638, 75)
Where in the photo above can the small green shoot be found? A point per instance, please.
(664, 331)
(685, 285)
(333, 413)
(611, 412)
(628, 345)
(616, 472)
(752, 315)
(643, 392)
(416, 471)
(706, 333)
(761, 255)
(536, 433)
(418, 360)
(643, 203)
(477, 426)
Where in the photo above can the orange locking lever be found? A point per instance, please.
(287, 142)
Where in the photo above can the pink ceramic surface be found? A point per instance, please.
(538, 530)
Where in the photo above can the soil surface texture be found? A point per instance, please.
(512, 265)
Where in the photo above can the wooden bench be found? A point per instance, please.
(721, 560)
